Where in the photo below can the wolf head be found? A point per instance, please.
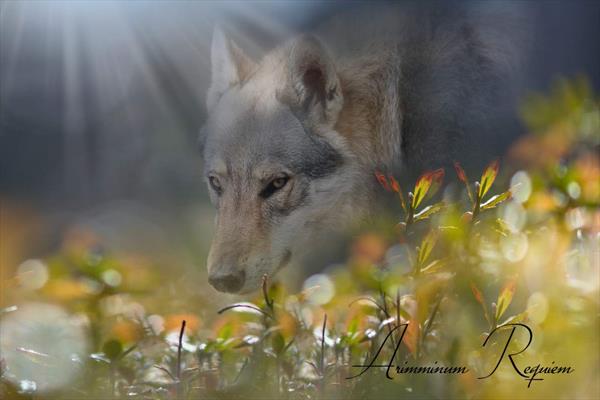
(274, 164)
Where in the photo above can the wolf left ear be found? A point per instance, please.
(314, 88)
(229, 66)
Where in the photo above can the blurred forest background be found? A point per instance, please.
(103, 208)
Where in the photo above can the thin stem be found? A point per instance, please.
(178, 367)
(477, 204)
(265, 291)
(322, 361)
(323, 345)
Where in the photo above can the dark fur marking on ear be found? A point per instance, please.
(314, 81)
(321, 160)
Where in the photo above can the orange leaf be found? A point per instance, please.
(412, 335)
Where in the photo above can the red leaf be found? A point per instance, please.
(396, 188)
(460, 172)
(478, 295)
(438, 175)
(382, 180)
(394, 184)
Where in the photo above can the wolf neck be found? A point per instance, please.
(370, 118)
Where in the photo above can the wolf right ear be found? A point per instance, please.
(229, 66)
(314, 88)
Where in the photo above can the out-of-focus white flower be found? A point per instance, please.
(318, 333)
(40, 344)
(537, 307)
(322, 289)
(514, 215)
(520, 185)
(514, 246)
(157, 323)
(121, 304)
(574, 190)
(583, 264)
(370, 333)
(172, 339)
(251, 339)
(32, 274)
(112, 277)
(576, 218)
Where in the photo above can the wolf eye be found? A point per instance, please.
(274, 185)
(215, 184)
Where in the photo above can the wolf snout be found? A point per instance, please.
(227, 280)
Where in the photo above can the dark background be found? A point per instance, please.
(103, 101)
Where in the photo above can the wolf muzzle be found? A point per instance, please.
(227, 279)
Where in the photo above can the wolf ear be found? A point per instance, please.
(229, 66)
(314, 88)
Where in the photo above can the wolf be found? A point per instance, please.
(292, 141)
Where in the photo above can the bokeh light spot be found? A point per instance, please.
(323, 289)
(32, 274)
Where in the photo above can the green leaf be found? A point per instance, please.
(278, 343)
(434, 266)
(488, 177)
(427, 246)
(495, 200)
(521, 317)
(225, 344)
(502, 227)
(429, 211)
(424, 184)
(112, 349)
(225, 332)
(505, 298)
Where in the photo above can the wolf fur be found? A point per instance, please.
(292, 141)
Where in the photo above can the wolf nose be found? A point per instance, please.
(227, 281)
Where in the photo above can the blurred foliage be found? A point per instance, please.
(520, 244)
